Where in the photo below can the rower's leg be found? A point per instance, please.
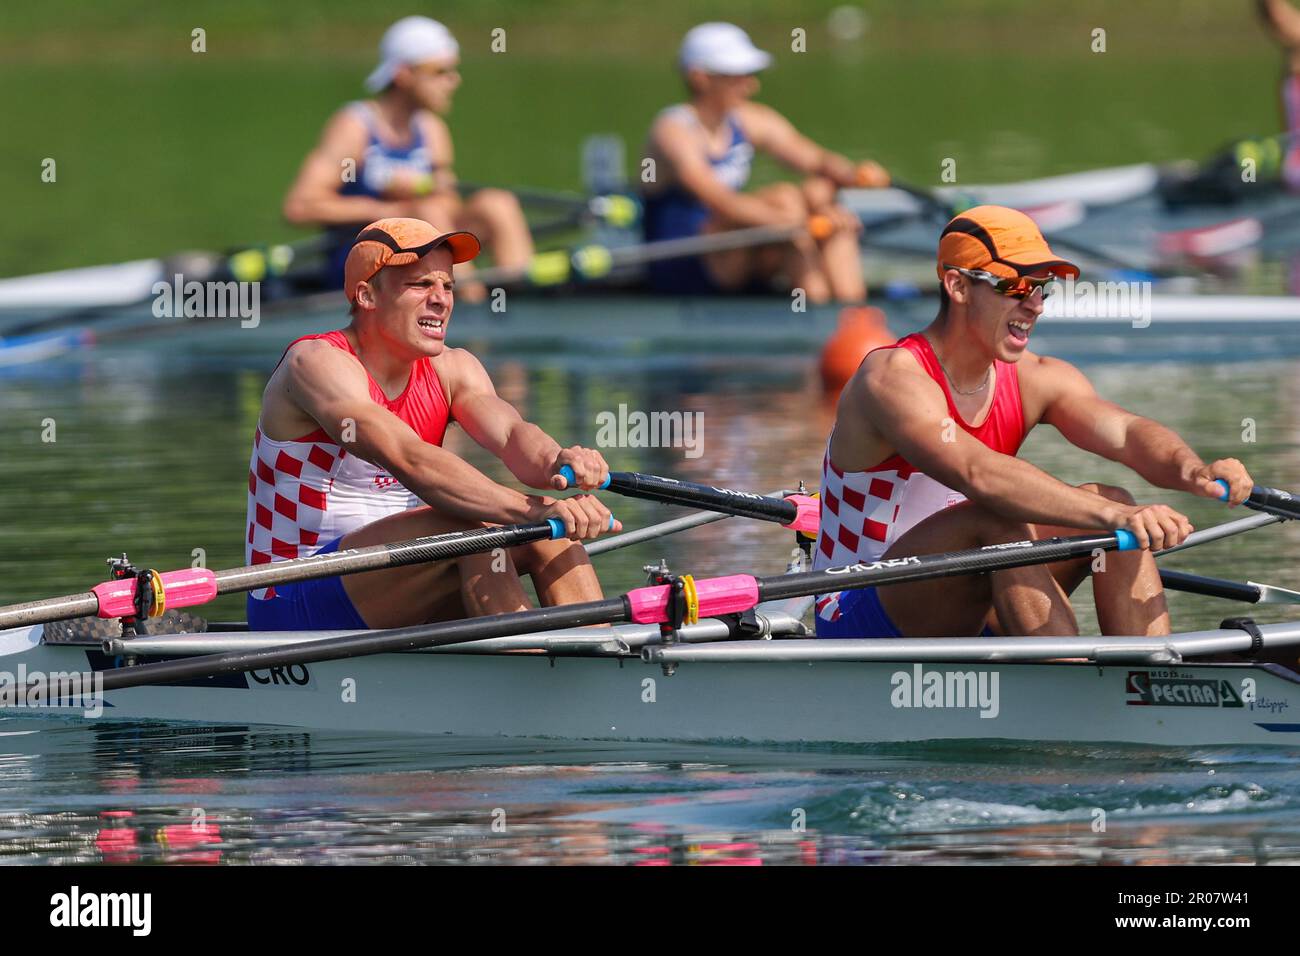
(1027, 601)
(561, 571)
(496, 217)
(842, 263)
(840, 253)
(800, 260)
(440, 591)
(1128, 594)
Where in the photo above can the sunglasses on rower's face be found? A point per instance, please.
(432, 72)
(1021, 287)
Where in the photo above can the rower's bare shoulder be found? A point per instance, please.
(458, 368)
(345, 129)
(434, 126)
(885, 369)
(671, 127)
(1045, 373)
(314, 361)
(757, 117)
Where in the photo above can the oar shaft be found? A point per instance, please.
(688, 494)
(197, 585)
(441, 547)
(1225, 530)
(560, 266)
(1209, 587)
(608, 611)
(50, 609)
(643, 606)
(995, 557)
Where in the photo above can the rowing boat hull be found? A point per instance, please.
(591, 698)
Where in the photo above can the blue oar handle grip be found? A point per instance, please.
(566, 472)
(1125, 540)
(557, 527)
(1224, 485)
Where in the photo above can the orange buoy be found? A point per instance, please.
(860, 329)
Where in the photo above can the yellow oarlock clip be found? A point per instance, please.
(280, 258)
(593, 262)
(159, 602)
(621, 211)
(692, 597)
(549, 268)
(249, 265)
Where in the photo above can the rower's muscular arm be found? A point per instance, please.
(774, 134)
(314, 200)
(678, 146)
(908, 412)
(1283, 19)
(1071, 405)
(531, 455)
(441, 152)
(330, 388)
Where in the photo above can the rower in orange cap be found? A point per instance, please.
(348, 452)
(923, 459)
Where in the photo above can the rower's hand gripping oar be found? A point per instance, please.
(149, 593)
(796, 512)
(1273, 501)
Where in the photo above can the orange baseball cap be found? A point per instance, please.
(399, 242)
(999, 240)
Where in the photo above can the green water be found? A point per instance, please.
(144, 448)
(149, 455)
(160, 149)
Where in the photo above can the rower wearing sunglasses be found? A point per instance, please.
(923, 459)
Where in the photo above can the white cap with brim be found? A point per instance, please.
(407, 42)
(721, 48)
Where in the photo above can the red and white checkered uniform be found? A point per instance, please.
(864, 512)
(306, 492)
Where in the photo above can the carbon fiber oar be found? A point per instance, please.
(191, 586)
(656, 604)
(797, 512)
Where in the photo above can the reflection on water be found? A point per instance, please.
(148, 454)
(141, 793)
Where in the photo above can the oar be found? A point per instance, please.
(1273, 505)
(1273, 501)
(682, 602)
(191, 586)
(1250, 592)
(617, 210)
(664, 528)
(251, 263)
(593, 262)
(796, 512)
(936, 206)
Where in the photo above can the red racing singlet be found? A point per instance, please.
(864, 512)
(306, 492)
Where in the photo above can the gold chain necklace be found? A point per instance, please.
(978, 388)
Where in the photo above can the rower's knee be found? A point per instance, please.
(819, 192)
(495, 204)
(533, 557)
(786, 196)
(990, 528)
(1112, 492)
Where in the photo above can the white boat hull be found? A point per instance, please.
(533, 695)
